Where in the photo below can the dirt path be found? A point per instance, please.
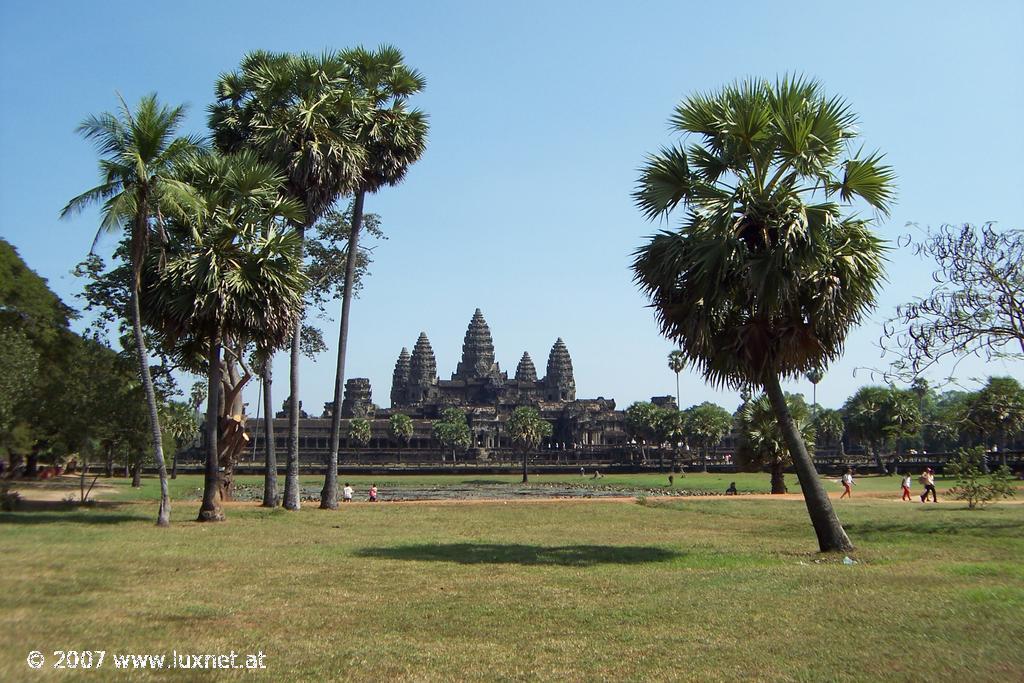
(59, 488)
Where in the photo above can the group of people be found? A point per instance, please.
(927, 479)
(348, 491)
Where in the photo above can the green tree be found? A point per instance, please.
(452, 431)
(881, 417)
(180, 428)
(973, 485)
(763, 443)
(527, 429)
(299, 112)
(138, 155)
(393, 137)
(232, 278)
(359, 432)
(997, 413)
(19, 365)
(401, 429)
(766, 275)
(669, 428)
(642, 424)
(706, 425)
(829, 427)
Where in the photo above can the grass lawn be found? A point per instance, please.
(691, 589)
(190, 486)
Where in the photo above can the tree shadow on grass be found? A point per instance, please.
(530, 555)
(59, 512)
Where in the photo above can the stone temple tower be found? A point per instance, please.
(400, 379)
(477, 351)
(525, 372)
(559, 384)
(422, 369)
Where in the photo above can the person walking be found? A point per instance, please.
(847, 482)
(373, 493)
(928, 479)
(346, 493)
(905, 484)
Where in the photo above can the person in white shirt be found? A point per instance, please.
(346, 494)
(906, 487)
(847, 483)
(928, 479)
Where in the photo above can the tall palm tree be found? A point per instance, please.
(393, 137)
(677, 363)
(766, 275)
(232, 279)
(814, 375)
(300, 112)
(138, 155)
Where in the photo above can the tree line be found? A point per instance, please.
(230, 237)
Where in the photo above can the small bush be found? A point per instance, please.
(973, 485)
(9, 499)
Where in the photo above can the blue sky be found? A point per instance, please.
(540, 115)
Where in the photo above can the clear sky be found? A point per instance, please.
(540, 113)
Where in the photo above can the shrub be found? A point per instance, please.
(973, 485)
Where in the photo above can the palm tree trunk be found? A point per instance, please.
(174, 465)
(137, 474)
(291, 477)
(210, 510)
(526, 476)
(878, 459)
(830, 533)
(163, 517)
(778, 477)
(329, 494)
(270, 471)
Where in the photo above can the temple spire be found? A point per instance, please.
(400, 378)
(559, 383)
(422, 365)
(525, 371)
(477, 351)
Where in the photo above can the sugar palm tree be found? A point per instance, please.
(768, 270)
(299, 112)
(677, 363)
(138, 154)
(233, 278)
(394, 137)
(762, 442)
(527, 429)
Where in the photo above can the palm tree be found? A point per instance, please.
(138, 154)
(233, 278)
(394, 138)
(765, 276)
(814, 375)
(763, 443)
(881, 416)
(707, 424)
(300, 112)
(677, 363)
(401, 429)
(526, 428)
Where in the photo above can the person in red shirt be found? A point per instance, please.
(373, 493)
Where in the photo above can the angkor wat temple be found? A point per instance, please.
(480, 388)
